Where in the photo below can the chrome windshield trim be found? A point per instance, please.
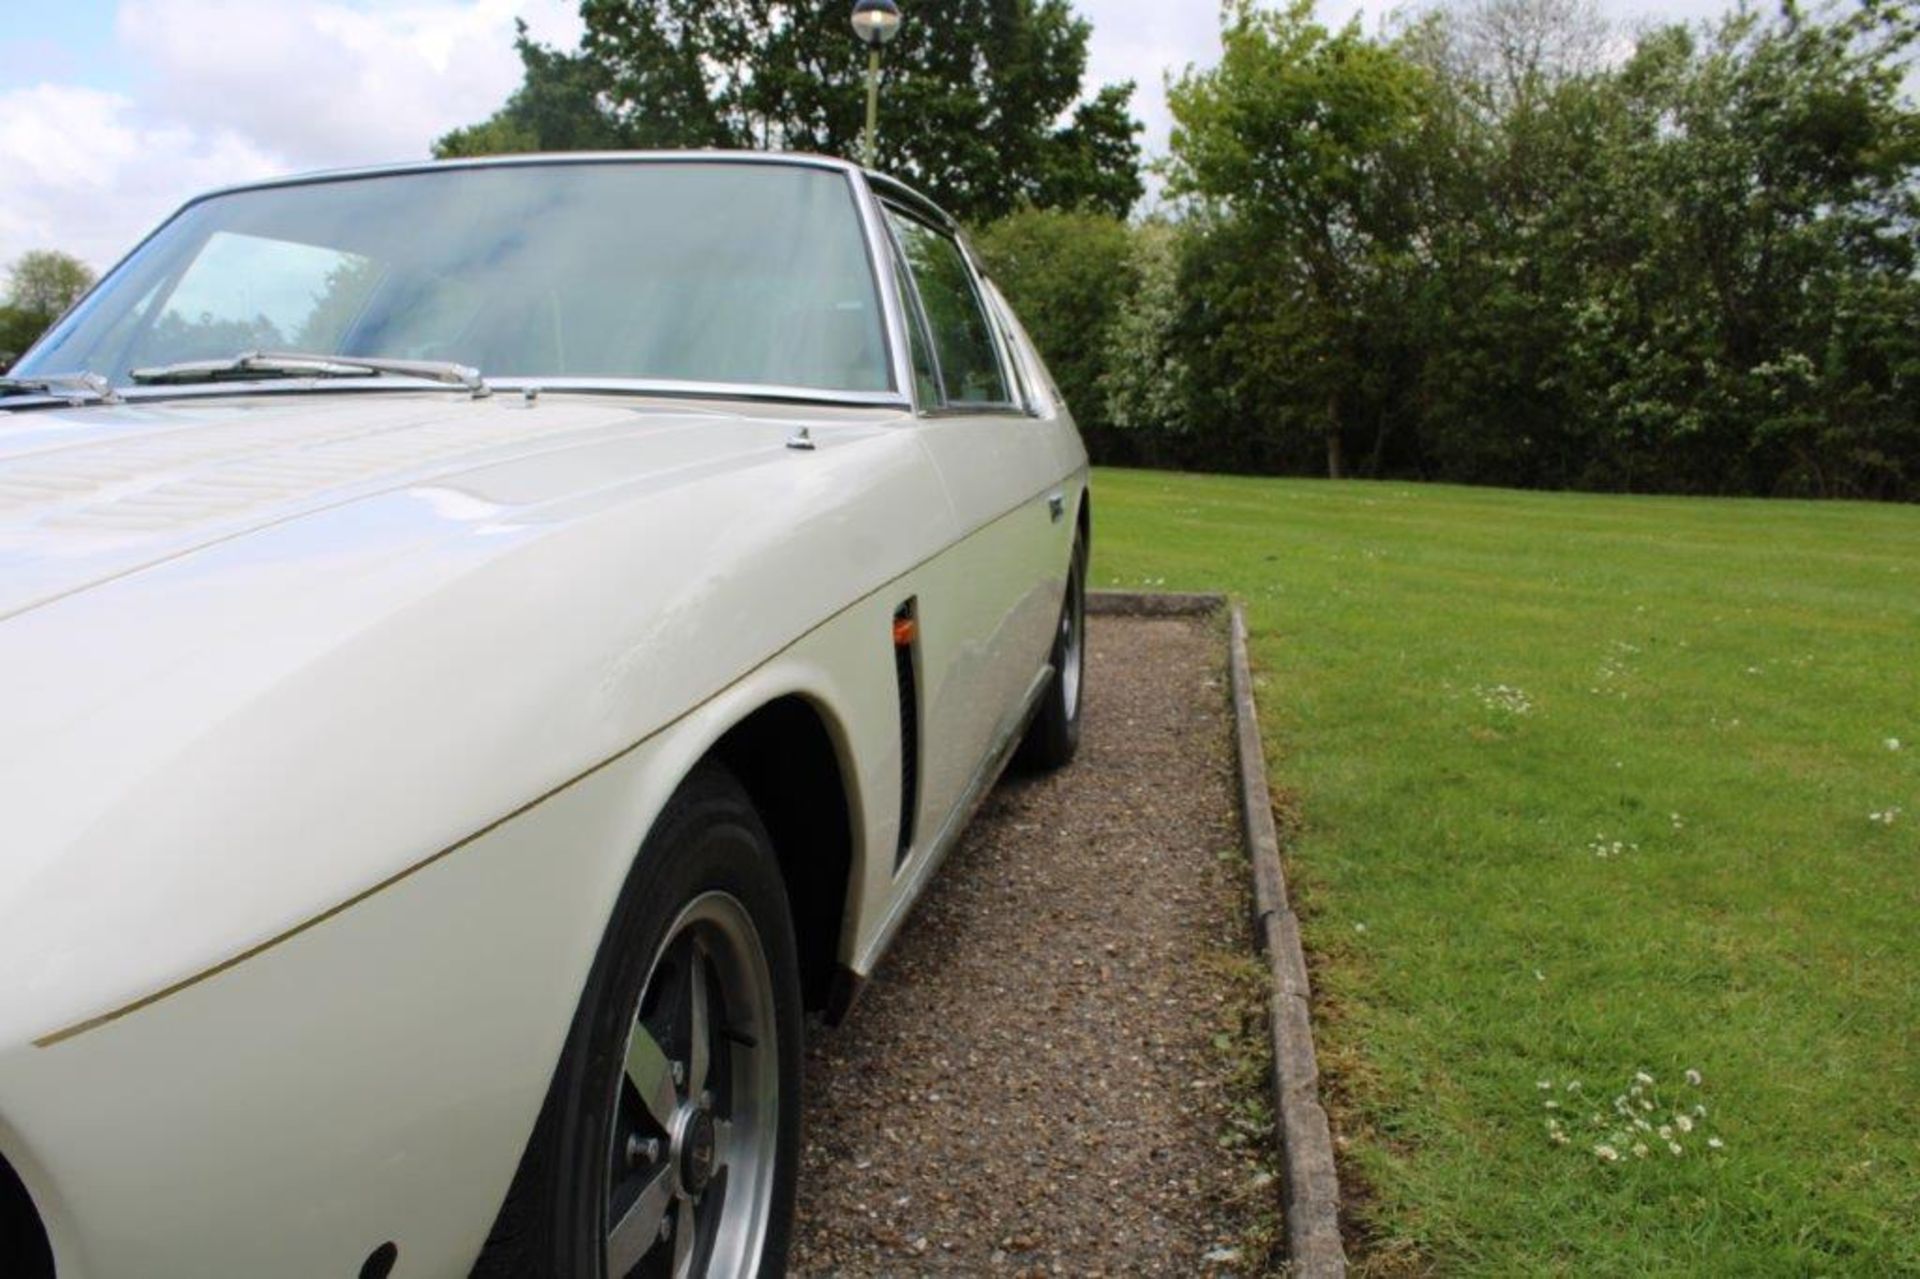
(664, 389)
(706, 390)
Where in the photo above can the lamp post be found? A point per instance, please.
(875, 22)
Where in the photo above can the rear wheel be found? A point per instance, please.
(668, 1143)
(1054, 735)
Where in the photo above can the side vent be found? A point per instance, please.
(906, 647)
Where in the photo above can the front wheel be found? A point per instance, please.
(1054, 735)
(669, 1142)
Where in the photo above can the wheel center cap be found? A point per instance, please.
(697, 1152)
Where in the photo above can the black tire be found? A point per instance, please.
(1054, 734)
(708, 845)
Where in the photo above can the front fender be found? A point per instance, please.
(373, 1074)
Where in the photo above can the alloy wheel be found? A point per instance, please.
(696, 1124)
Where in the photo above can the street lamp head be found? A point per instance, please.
(876, 21)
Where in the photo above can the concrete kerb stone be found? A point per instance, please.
(1310, 1184)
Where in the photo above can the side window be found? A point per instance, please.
(969, 364)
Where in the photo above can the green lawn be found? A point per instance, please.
(1584, 787)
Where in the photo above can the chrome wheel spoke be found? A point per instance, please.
(686, 1233)
(652, 1074)
(699, 1020)
(639, 1227)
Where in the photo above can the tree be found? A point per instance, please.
(1517, 50)
(1146, 384)
(18, 331)
(1068, 274)
(1746, 247)
(1310, 139)
(556, 108)
(45, 282)
(1480, 251)
(41, 285)
(975, 97)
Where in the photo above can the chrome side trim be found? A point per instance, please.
(955, 826)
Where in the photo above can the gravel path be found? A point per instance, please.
(1028, 1085)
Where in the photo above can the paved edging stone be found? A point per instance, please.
(1153, 603)
(1310, 1185)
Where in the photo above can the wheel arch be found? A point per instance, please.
(793, 761)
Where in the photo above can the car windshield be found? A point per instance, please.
(681, 271)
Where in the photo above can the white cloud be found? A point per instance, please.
(327, 84)
(231, 90)
(86, 175)
(1142, 41)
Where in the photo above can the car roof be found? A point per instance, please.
(891, 187)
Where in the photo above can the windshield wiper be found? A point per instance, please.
(266, 364)
(72, 386)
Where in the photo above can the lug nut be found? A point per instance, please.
(679, 1074)
(641, 1150)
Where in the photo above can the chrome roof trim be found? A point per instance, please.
(534, 159)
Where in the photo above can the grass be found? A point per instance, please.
(1471, 696)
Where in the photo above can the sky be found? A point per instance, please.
(112, 112)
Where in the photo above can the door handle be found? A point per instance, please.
(1057, 505)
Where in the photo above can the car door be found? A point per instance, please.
(990, 605)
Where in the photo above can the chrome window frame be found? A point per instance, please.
(918, 209)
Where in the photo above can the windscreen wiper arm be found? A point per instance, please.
(73, 386)
(266, 364)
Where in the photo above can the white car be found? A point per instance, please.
(485, 648)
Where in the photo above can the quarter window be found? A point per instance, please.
(970, 372)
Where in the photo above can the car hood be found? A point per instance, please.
(92, 494)
(260, 653)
